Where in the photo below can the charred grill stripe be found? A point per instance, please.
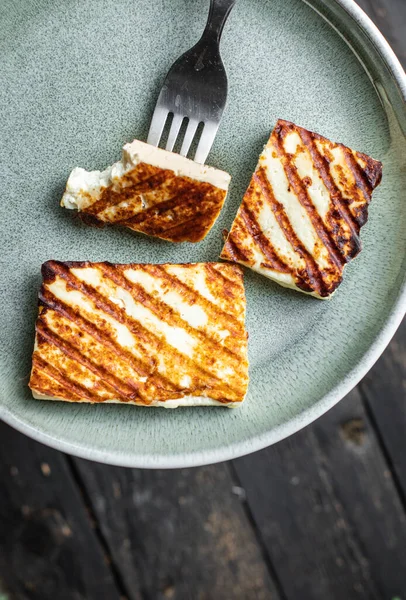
(104, 305)
(216, 273)
(165, 312)
(182, 200)
(44, 384)
(108, 380)
(217, 312)
(110, 198)
(244, 211)
(134, 326)
(336, 196)
(193, 206)
(192, 227)
(230, 276)
(265, 246)
(314, 276)
(104, 339)
(372, 169)
(361, 181)
(234, 251)
(302, 195)
(213, 274)
(52, 371)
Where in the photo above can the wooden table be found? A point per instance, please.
(320, 516)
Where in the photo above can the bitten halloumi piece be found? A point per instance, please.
(300, 219)
(155, 335)
(150, 190)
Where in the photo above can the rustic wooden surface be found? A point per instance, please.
(320, 516)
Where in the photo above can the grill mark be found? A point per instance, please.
(110, 381)
(234, 251)
(254, 229)
(103, 304)
(230, 290)
(163, 311)
(195, 217)
(44, 384)
(62, 379)
(158, 271)
(345, 242)
(104, 339)
(313, 279)
(201, 208)
(202, 200)
(193, 234)
(109, 197)
(215, 273)
(111, 309)
(335, 194)
(301, 193)
(361, 180)
(372, 169)
(156, 210)
(204, 211)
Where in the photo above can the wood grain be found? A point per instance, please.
(49, 551)
(177, 534)
(384, 391)
(327, 510)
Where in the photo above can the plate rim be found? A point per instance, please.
(300, 420)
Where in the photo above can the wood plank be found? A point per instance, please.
(384, 391)
(390, 17)
(327, 510)
(178, 534)
(49, 550)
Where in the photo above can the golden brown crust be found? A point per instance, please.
(349, 184)
(79, 355)
(159, 203)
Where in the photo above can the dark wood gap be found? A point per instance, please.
(257, 533)
(359, 544)
(384, 449)
(354, 542)
(383, 394)
(115, 572)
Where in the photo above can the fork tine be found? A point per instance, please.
(206, 141)
(189, 135)
(173, 132)
(157, 125)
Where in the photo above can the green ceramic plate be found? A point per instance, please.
(78, 79)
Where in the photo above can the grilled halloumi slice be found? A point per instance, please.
(300, 219)
(155, 335)
(150, 190)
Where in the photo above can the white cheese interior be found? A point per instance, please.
(92, 182)
(296, 213)
(298, 217)
(174, 403)
(183, 339)
(285, 280)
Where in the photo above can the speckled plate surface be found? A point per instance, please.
(78, 79)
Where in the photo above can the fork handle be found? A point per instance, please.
(218, 14)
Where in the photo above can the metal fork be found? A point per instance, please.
(196, 89)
